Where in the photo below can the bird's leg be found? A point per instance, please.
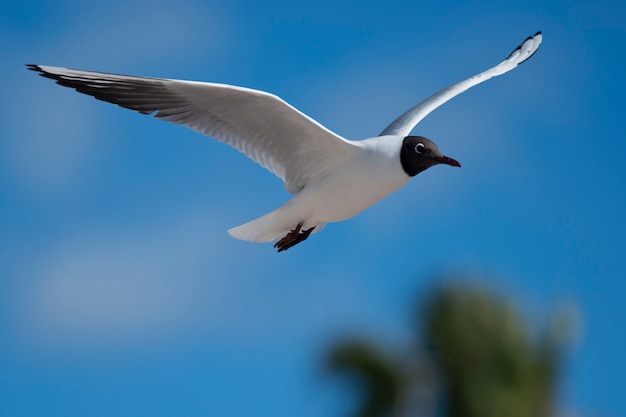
(292, 238)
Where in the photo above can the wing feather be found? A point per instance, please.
(407, 121)
(264, 127)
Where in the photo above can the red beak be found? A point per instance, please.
(449, 161)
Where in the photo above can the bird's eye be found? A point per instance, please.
(419, 148)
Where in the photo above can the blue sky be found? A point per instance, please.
(122, 294)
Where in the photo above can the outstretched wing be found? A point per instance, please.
(405, 123)
(264, 127)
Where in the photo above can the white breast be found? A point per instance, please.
(372, 174)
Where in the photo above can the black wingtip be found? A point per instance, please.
(46, 74)
(520, 47)
(41, 71)
(530, 37)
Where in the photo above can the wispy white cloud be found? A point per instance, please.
(146, 283)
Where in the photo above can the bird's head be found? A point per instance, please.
(418, 154)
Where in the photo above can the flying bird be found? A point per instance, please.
(333, 178)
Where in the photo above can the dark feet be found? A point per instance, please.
(293, 238)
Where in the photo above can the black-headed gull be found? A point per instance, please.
(333, 178)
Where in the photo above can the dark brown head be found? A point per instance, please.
(418, 154)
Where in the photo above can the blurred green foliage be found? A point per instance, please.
(381, 380)
(476, 357)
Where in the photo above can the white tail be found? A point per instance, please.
(263, 229)
(271, 227)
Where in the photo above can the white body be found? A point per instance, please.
(372, 173)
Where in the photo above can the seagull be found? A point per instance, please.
(333, 178)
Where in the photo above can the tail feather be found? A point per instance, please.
(263, 229)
